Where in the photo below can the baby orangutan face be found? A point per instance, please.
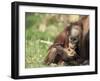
(74, 36)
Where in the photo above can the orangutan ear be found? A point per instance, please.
(67, 28)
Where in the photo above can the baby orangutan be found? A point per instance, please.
(66, 45)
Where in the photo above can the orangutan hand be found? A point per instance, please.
(69, 52)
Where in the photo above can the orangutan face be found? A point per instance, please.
(74, 36)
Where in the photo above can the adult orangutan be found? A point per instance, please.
(71, 44)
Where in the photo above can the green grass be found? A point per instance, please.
(36, 51)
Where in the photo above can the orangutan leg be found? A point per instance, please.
(51, 56)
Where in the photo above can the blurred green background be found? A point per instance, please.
(41, 30)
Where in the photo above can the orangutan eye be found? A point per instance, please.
(73, 38)
(76, 40)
